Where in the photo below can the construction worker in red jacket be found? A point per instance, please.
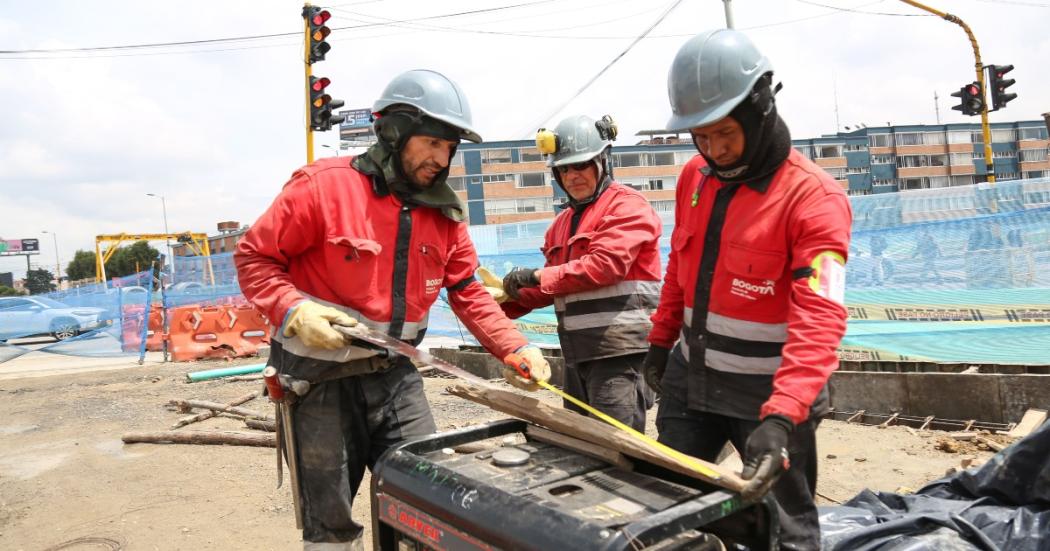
(370, 240)
(753, 292)
(602, 272)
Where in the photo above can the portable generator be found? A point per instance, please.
(513, 489)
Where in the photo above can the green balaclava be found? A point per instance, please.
(382, 161)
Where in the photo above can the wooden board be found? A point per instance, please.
(1033, 419)
(589, 430)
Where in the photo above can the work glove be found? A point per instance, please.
(539, 369)
(492, 284)
(312, 323)
(766, 456)
(520, 279)
(654, 365)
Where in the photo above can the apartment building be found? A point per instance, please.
(899, 158)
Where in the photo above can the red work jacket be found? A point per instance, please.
(334, 237)
(603, 278)
(747, 288)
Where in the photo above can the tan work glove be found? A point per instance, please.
(539, 369)
(493, 285)
(312, 323)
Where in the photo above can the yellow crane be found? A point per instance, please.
(197, 242)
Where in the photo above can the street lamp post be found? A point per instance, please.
(168, 260)
(58, 263)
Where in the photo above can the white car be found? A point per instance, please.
(35, 315)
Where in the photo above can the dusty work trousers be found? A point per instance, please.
(614, 386)
(702, 434)
(342, 427)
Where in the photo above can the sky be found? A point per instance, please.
(217, 128)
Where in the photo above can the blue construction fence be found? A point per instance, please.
(958, 274)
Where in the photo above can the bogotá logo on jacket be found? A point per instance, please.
(752, 291)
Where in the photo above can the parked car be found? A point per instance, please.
(34, 316)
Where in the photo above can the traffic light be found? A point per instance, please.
(997, 85)
(322, 104)
(971, 102)
(318, 32)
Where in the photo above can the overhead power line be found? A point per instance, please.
(259, 36)
(606, 68)
(854, 10)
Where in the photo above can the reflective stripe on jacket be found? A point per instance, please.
(603, 279)
(333, 236)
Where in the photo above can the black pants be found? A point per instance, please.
(702, 434)
(342, 427)
(614, 386)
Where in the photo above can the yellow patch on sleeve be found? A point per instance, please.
(829, 276)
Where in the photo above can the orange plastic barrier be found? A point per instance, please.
(225, 331)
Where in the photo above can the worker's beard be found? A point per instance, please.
(423, 174)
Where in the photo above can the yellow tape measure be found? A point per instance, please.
(690, 462)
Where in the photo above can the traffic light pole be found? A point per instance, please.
(309, 73)
(985, 130)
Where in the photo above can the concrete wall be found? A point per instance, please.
(992, 398)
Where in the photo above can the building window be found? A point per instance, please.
(682, 157)
(627, 159)
(530, 155)
(857, 170)
(908, 138)
(496, 178)
(828, 151)
(495, 156)
(882, 159)
(858, 192)
(1008, 154)
(1032, 155)
(457, 183)
(502, 206)
(880, 140)
(939, 181)
(535, 204)
(938, 160)
(1032, 133)
(962, 180)
(914, 183)
(960, 136)
(663, 158)
(933, 138)
(1004, 135)
(805, 150)
(837, 173)
(912, 161)
(882, 183)
(1008, 176)
(532, 179)
(856, 147)
(662, 206)
(961, 159)
(1034, 174)
(457, 159)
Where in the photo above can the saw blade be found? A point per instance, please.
(402, 348)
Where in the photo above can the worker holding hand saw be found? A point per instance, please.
(602, 272)
(753, 293)
(369, 241)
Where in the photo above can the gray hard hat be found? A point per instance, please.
(712, 73)
(435, 95)
(578, 140)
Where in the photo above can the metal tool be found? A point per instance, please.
(283, 392)
(522, 367)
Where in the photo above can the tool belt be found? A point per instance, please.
(354, 368)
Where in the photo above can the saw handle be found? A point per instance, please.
(517, 361)
(273, 384)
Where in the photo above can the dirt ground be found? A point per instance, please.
(68, 482)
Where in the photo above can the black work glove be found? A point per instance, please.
(519, 279)
(654, 365)
(766, 456)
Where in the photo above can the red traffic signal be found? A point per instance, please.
(971, 101)
(319, 84)
(322, 104)
(316, 33)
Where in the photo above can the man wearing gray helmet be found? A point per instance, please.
(602, 272)
(371, 241)
(753, 292)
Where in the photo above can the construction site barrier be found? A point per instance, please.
(227, 331)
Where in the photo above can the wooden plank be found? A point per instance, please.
(995, 446)
(926, 422)
(855, 416)
(586, 448)
(211, 438)
(887, 422)
(1032, 419)
(590, 430)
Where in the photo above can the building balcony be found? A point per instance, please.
(915, 172)
(939, 149)
(831, 162)
(509, 190)
(962, 170)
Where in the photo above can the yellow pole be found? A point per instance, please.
(100, 268)
(306, 58)
(207, 255)
(979, 67)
